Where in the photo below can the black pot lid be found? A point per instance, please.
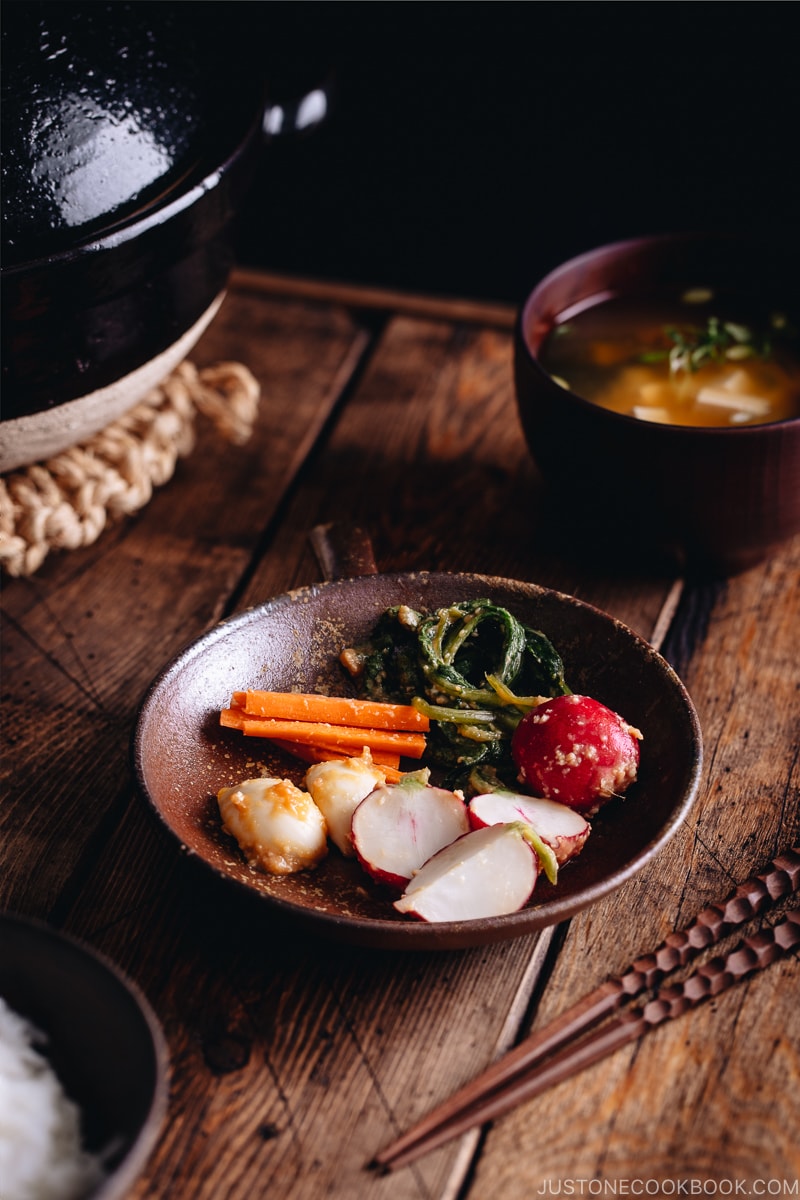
(109, 109)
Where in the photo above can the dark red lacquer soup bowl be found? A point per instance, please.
(716, 498)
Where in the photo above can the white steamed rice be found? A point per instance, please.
(41, 1157)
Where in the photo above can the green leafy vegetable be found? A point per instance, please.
(471, 667)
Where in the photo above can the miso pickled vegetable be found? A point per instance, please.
(472, 668)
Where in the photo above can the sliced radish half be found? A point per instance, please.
(486, 873)
(559, 827)
(400, 826)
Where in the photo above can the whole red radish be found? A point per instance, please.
(575, 750)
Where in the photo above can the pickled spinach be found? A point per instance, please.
(471, 667)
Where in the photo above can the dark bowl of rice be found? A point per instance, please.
(83, 1069)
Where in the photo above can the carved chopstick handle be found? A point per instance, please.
(710, 926)
(714, 923)
(752, 954)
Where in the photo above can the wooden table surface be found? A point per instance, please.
(293, 1059)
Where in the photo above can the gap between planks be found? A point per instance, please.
(666, 615)
(468, 1143)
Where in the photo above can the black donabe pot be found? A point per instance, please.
(130, 132)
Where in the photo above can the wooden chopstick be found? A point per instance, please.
(513, 1079)
(752, 954)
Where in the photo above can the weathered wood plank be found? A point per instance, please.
(441, 477)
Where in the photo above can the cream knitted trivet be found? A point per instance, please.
(67, 501)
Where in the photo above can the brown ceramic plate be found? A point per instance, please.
(182, 756)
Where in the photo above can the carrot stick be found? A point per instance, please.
(381, 758)
(232, 718)
(388, 763)
(411, 745)
(393, 774)
(333, 710)
(318, 752)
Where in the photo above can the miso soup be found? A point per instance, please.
(692, 359)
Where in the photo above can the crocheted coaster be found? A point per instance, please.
(67, 501)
